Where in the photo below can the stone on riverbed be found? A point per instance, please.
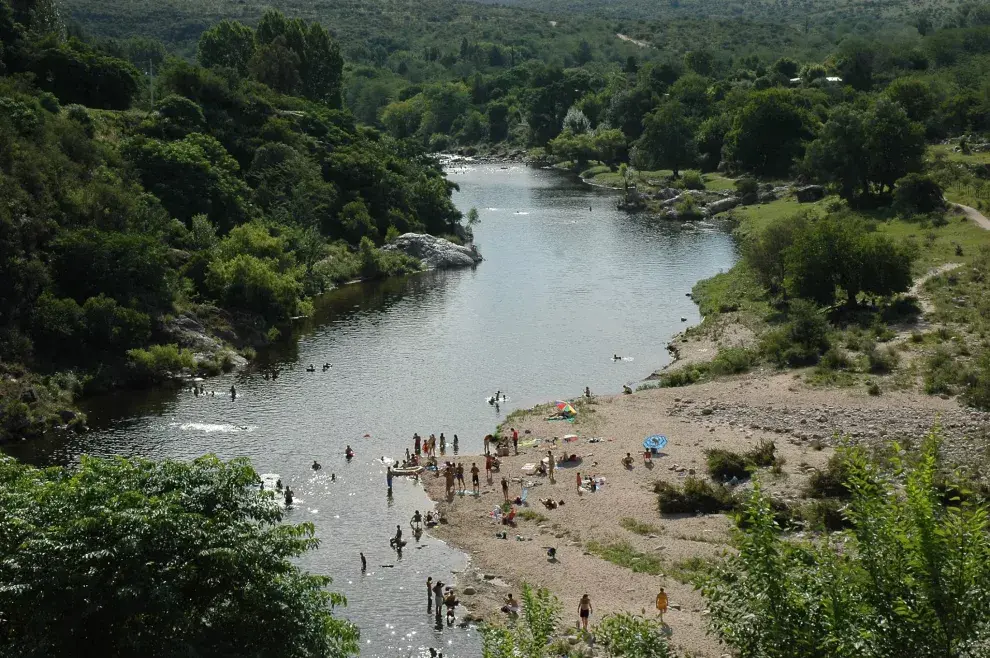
(436, 253)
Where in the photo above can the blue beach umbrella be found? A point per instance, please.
(655, 443)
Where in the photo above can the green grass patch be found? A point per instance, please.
(640, 527)
(688, 571)
(530, 515)
(624, 555)
(719, 183)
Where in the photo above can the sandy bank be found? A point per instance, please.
(733, 413)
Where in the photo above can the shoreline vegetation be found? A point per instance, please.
(167, 227)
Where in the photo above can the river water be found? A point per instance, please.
(567, 282)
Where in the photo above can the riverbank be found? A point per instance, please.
(613, 543)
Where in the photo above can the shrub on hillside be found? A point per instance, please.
(764, 454)
(940, 374)
(830, 482)
(158, 363)
(723, 465)
(698, 496)
(732, 360)
(918, 194)
(977, 392)
(692, 180)
(802, 340)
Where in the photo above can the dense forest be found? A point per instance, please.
(244, 192)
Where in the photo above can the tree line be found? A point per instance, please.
(244, 189)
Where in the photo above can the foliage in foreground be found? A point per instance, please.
(137, 558)
(532, 634)
(911, 579)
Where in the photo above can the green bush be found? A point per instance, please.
(918, 194)
(683, 377)
(747, 186)
(158, 363)
(824, 515)
(378, 264)
(881, 361)
(977, 391)
(687, 208)
(698, 496)
(732, 360)
(834, 359)
(830, 482)
(692, 180)
(802, 340)
(764, 454)
(723, 465)
(940, 373)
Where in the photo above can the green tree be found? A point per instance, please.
(911, 577)
(227, 44)
(896, 145)
(865, 153)
(766, 252)
(916, 97)
(192, 176)
(667, 141)
(701, 62)
(158, 558)
(768, 133)
(840, 253)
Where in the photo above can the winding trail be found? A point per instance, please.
(973, 214)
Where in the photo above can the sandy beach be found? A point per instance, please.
(732, 413)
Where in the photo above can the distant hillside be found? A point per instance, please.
(380, 32)
(814, 12)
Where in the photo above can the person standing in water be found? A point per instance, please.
(455, 444)
(364, 563)
(233, 392)
(388, 478)
(417, 444)
(429, 595)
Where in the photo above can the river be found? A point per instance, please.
(567, 282)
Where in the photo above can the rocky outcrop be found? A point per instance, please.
(715, 207)
(436, 253)
(188, 331)
(810, 193)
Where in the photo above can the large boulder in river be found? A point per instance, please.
(436, 253)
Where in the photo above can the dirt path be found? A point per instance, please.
(973, 214)
(641, 44)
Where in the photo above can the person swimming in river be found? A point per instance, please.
(349, 454)
(316, 465)
(278, 484)
(311, 368)
(616, 357)
(288, 496)
(396, 541)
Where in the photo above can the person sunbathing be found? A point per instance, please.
(627, 461)
(549, 503)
